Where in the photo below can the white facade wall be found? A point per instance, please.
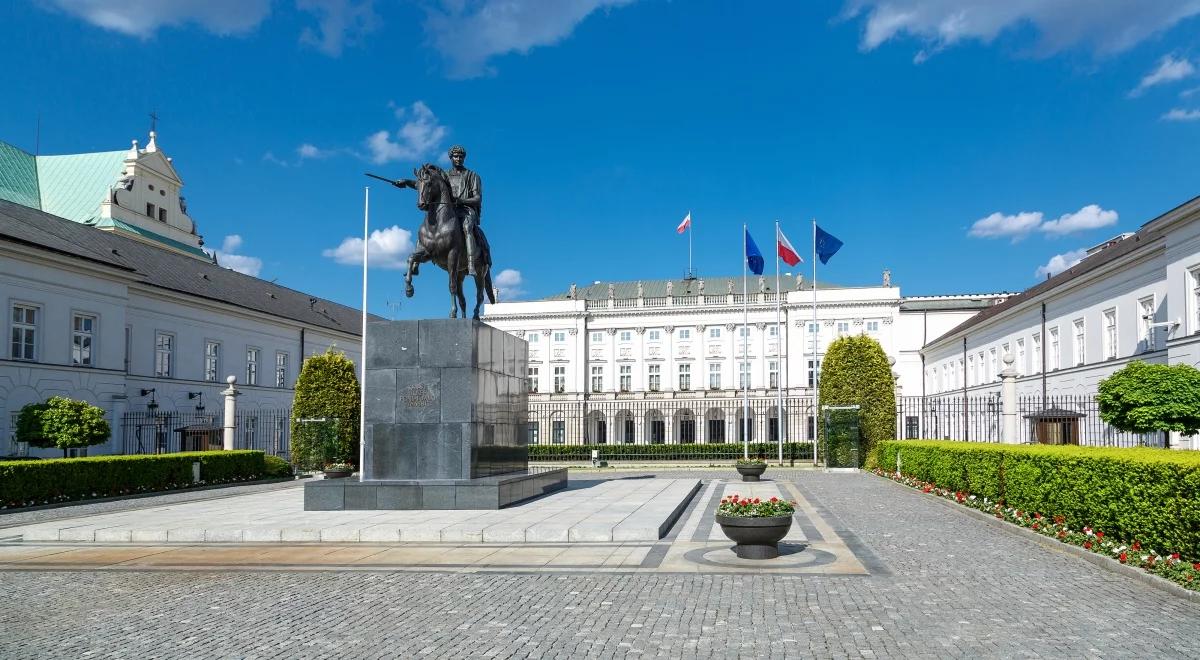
(58, 287)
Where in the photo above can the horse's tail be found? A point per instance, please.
(487, 285)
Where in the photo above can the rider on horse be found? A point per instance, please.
(468, 199)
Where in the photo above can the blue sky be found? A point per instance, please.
(964, 144)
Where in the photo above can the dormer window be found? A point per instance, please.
(150, 210)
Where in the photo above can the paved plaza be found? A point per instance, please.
(871, 569)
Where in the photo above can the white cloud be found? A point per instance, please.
(340, 22)
(386, 248)
(1179, 114)
(1088, 217)
(418, 137)
(469, 32)
(1169, 70)
(1187, 93)
(1060, 262)
(1107, 26)
(227, 256)
(509, 282)
(141, 18)
(999, 225)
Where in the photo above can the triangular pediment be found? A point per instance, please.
(158, 163)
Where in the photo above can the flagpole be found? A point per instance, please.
(689, 273)
(362, 357)
(816, 365)
(745, 351)
(780, 419)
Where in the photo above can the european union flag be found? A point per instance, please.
(754, 258)
(827, 245)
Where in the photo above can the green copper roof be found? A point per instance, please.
(125, 226)
(73, 186)
(18, 177)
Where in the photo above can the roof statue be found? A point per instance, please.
(762, 284)
(670, 287)
(612, 291)
(799, 280)
(887, 277)
(700, 286)
(640, 290)
(451, 236)
(572, 292)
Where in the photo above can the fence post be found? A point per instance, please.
(230, 425)
(1008, 401)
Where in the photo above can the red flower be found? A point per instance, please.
(774, 499)
(1035, 525)
(1174, 555)
(1137, 545)
(1122, 558)
(1196, 566)
(1099, 535)
(1062, 534)
(1087, 545)
(756, 500)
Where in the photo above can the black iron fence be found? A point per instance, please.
(696, 420)
(1060, 419)
(174, 431)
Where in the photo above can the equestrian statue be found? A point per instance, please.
(450, 236)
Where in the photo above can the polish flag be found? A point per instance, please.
(786, 251)
(687, 222)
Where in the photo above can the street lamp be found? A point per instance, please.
(197, 395)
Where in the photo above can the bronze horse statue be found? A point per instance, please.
(441, 241)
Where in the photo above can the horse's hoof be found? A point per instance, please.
(408, 291)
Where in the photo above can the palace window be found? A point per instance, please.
(162, 215)
(533, 338)
(83, 334)
(164, 355)
(150, 210)
(128, 346)
(560, 380)
(1146, 310)
(685, 333)
(743, 375)
(560, 337)
(597, 379)
(252, 366)
(814, 327)
(534, 430)
(655, 377)
(716, 430)
(773, 373)
(1020, 357)
(531, 378)
(773, 331)
(1036, 366)
(1080, 353)
(687, 428)
(597, 337)
(872, 326)
(843, 328)
(743, 332)
(24, 332)
(813, 373)
(1054, 355)
(626, 374)
(626, 335)
(685, 377)
(212, 360)
(281, 368)
(714, 333)
(971, 370)
(655, 335)
(714, 375)
(1194, 276)
(558, 431)
(1110, 334)
(992, 370)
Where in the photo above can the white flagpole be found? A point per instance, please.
(745, 351)
(816, 366)
(780, 419)
(362, 356)
(690, 221)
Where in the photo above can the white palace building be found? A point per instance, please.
(109, 297)
(664, 361)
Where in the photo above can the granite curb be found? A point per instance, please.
(138, 496)
(1100, 560)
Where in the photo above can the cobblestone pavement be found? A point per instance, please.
(956, 587)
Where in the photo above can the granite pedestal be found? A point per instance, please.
(446, 410)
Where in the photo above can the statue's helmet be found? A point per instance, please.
(457, 149)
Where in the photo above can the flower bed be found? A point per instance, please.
(1170, 565)
(751, 461)
(29, 483)
(723, 451)
(736, 506)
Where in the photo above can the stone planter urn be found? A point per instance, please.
(751, 472)
(756, 538)
(338, 474)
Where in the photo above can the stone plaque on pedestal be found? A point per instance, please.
(446, 412)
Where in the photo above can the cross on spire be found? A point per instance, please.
(153, 121)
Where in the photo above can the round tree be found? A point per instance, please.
(63, 423)
(1149, 398)
(325, 412)
(856, 372)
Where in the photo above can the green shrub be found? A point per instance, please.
(856, 372)
(325, 389)
(1136, 494)
(63, 423)
(694, 452)
(1148, 398)
(276, 467)
(25, 483)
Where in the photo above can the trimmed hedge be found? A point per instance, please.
(26, 483)
(697, 452)
(1138, 494)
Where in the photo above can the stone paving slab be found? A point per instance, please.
(604, 511)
